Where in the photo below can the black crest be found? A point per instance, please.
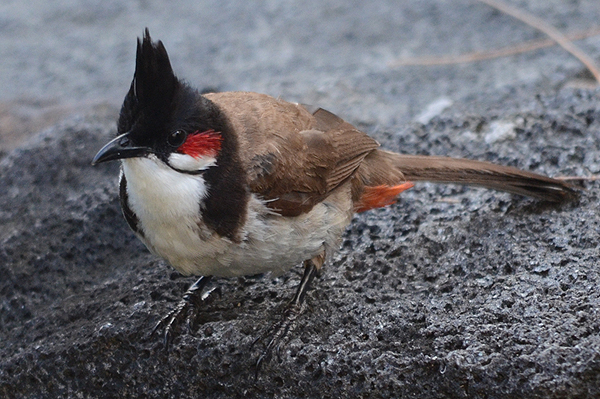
(153, 88)
(154, 83)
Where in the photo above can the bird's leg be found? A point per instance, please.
(278, 331)
(187, 309)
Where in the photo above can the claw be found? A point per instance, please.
(186, 310)
(279, 331)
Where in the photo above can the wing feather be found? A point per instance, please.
(295, 155)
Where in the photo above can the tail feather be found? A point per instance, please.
(464, 171)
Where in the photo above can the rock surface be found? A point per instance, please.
(452, 292)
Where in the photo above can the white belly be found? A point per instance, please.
(167, 205)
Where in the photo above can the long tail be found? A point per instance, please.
(464, 171)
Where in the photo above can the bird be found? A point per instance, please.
(233, 184)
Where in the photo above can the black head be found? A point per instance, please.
(159, 112)
(168, 122)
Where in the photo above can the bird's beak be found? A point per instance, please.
(120, 147)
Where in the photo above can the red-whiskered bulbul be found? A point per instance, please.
(236, 183)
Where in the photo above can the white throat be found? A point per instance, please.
(167, 204)
(156, 191)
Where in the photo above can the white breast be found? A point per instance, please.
(167, 204)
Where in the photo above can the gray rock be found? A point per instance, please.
(452, 292)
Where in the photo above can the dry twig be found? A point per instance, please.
(557, 37)
(486, 55)
(578, 178)
(549, 30)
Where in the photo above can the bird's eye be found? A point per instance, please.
(177, 138)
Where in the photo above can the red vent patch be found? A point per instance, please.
(379, 196)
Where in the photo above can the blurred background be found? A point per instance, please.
(70, 56)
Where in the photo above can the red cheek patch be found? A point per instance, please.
(200, 144)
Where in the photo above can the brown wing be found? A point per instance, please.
(294, 157)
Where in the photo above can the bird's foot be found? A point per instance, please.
(278, 332)
(185, 311)
(276, 335)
